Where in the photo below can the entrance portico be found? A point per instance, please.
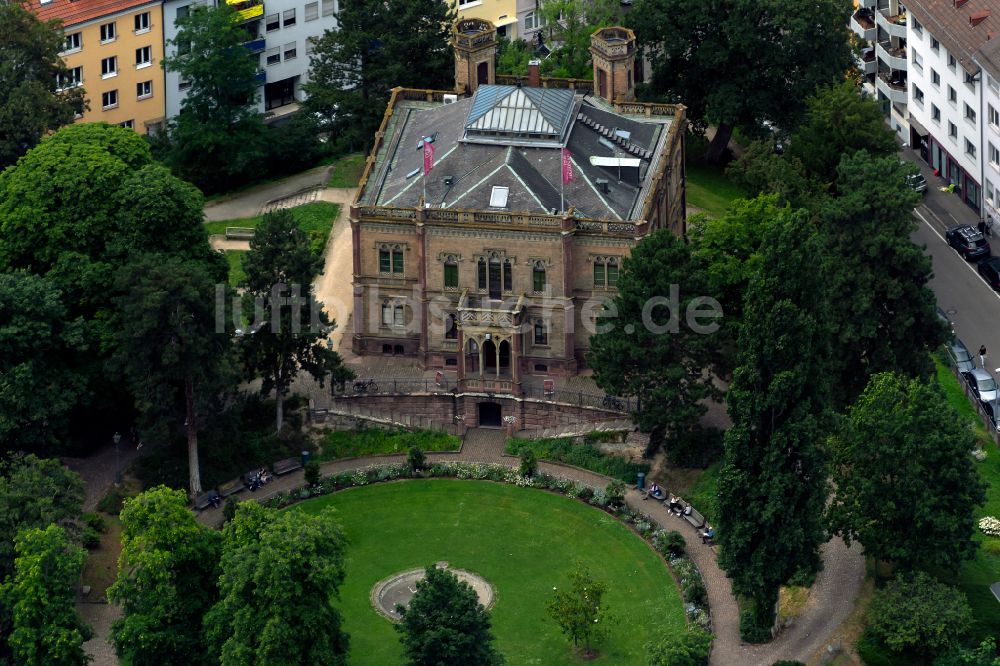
(489, 336)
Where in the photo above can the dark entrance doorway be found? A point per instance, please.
(279, 93)
(489, 415)
(490, 357)
(483, 73)
(602, 83)
(504, 356)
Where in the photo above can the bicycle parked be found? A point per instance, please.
(365, 386)
(611, 402)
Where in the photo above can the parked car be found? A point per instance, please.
(917, 182)
(982, 383)
(968, 241)
(988, 408)
(960, 354)
(990, 270)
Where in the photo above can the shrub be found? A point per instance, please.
(312, 472)
(90, 538)
(694, 591)
(670, 543)
(690, 648)
(415, 459)
(95, 521)
(755, 627)
(529, 463)
(229, 509)
(992, 546)
(990, 525)
(615, 493)
(580, 455)
(111, 503)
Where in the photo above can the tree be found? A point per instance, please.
(689, 648)
(445, 624)
(906, 488)
(985, 654)
(653, 349)
(36, 391)
(759, 170)
(772, 487)
(281, 572)
(569, 24)
(917, 616)
(31, 102)
(218, 137)
(167, 574)
(288, 338)
(34, 492)
(889, 322)
(738, 63)
(355, 65)
(578, 610)
(170, 347)
(839, 121)
(47, 630)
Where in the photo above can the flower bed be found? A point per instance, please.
(990, 525)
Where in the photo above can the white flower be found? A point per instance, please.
(990, 525)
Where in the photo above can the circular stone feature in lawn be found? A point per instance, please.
(399, 589)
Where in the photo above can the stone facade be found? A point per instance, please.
(612, 52)
(475, 44)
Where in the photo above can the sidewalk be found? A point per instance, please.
(251, 201)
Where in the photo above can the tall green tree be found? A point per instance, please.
(569, 25)
(772, 487)
(218, 137)
(445, 625)
(652, 349)
(36, 392)
(738, 63)
(905, 485)
(31, 102)
(888, 322)
(839, 121)
(47, 630)
(34, 493)
(580, 608)
(280, 267)
(167, 577)
(172, 344)
(355, 65)
(281, 573)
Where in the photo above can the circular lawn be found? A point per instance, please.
(523, 541)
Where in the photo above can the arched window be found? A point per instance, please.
(538, 281)
(541, 332)
(605, 272)
(481, 270)
(386, 313)
(612, 271)
(507, 278)
(390, 258)
(450, 327)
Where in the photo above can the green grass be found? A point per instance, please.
(346, 171)
(703, 495)
(522, 540)
(582, 455)
(709, 189)
(975, 576)
(315, 219)
(373, 441)
(236, 273)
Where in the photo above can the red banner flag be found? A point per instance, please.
(428, 156)
(567, 167)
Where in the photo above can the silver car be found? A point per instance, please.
(982, 383)
(961, 356)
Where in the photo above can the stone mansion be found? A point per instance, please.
(493, 264)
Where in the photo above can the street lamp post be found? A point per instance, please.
(118, 461)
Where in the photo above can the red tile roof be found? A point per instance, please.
(72, 12)
(963, 27)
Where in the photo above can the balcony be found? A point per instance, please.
(894, 25)
(893, 89)
(260, 76)
(488, 313)
(256, 46)
(868, 3)
(863, 24)
(866, 61)
(893, 58)
(246, 10)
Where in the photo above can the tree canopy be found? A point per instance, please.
(31, 69)
(580, 608)
(569, 25)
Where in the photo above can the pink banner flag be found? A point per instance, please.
(567, 167)
(428, 156)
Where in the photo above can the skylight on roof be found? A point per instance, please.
(498, 197)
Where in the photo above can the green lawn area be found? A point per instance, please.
(373, 441)
(582, 455)
(709, 189)
(346, 171)
(975, 576)
(315, 219)
(235, 259)
(522, 540)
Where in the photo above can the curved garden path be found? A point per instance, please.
(830, 602)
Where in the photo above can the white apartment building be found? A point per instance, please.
(881, 27)
(945, 89)
(278, 37)
(988, 58)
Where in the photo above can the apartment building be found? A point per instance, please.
(946, 89)
(113, 49)
(988, 59)
(279, 34)
(503, 14)
(881, 29)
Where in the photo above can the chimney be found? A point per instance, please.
(534, 78)
(960, 3)
(978, 17)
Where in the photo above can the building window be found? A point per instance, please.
(935, 79)
(952, 95)
(935, 45)
(143, 57)
(144, 90)
(918, 95)
(495, 275)
(141, 23)
(507, 275)
(386, 313)
(989, 192)
(970, 80)
(329, 7)
(993, 84)
(290, 51)
(182, 12)
(273, 55)
(538, 281)
(970, 114)
(309, 46)
(952, 130)
(450, 327)
(398, 316)
(951, 62)
(918, 62)
(73, 42)
(108, 33)
(481, 273)
(915, 24)
(605, 272)
(541, 332)
(71, 79)
(451, 274)
(272, 22)
(935, 113)
(994, 155)
(109, 100)
(993, 116)
(533, 21)
(127, 124)
(312, 11)
(109, 67)
(970, 148)
(288, 18)
(183, 85)
(390, 259)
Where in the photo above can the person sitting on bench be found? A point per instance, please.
(707, 534)
(656, 491)
(687, 510)
(674, 504)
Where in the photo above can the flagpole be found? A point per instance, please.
(423, 177)
(562, 201)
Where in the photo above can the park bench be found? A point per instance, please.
(204, 500)
(287, 465)
(696, 519)
(231, 487)
(240, 233)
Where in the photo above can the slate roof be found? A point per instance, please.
(532, 172)
(989, 57)
(517, 111)
(963, 30)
